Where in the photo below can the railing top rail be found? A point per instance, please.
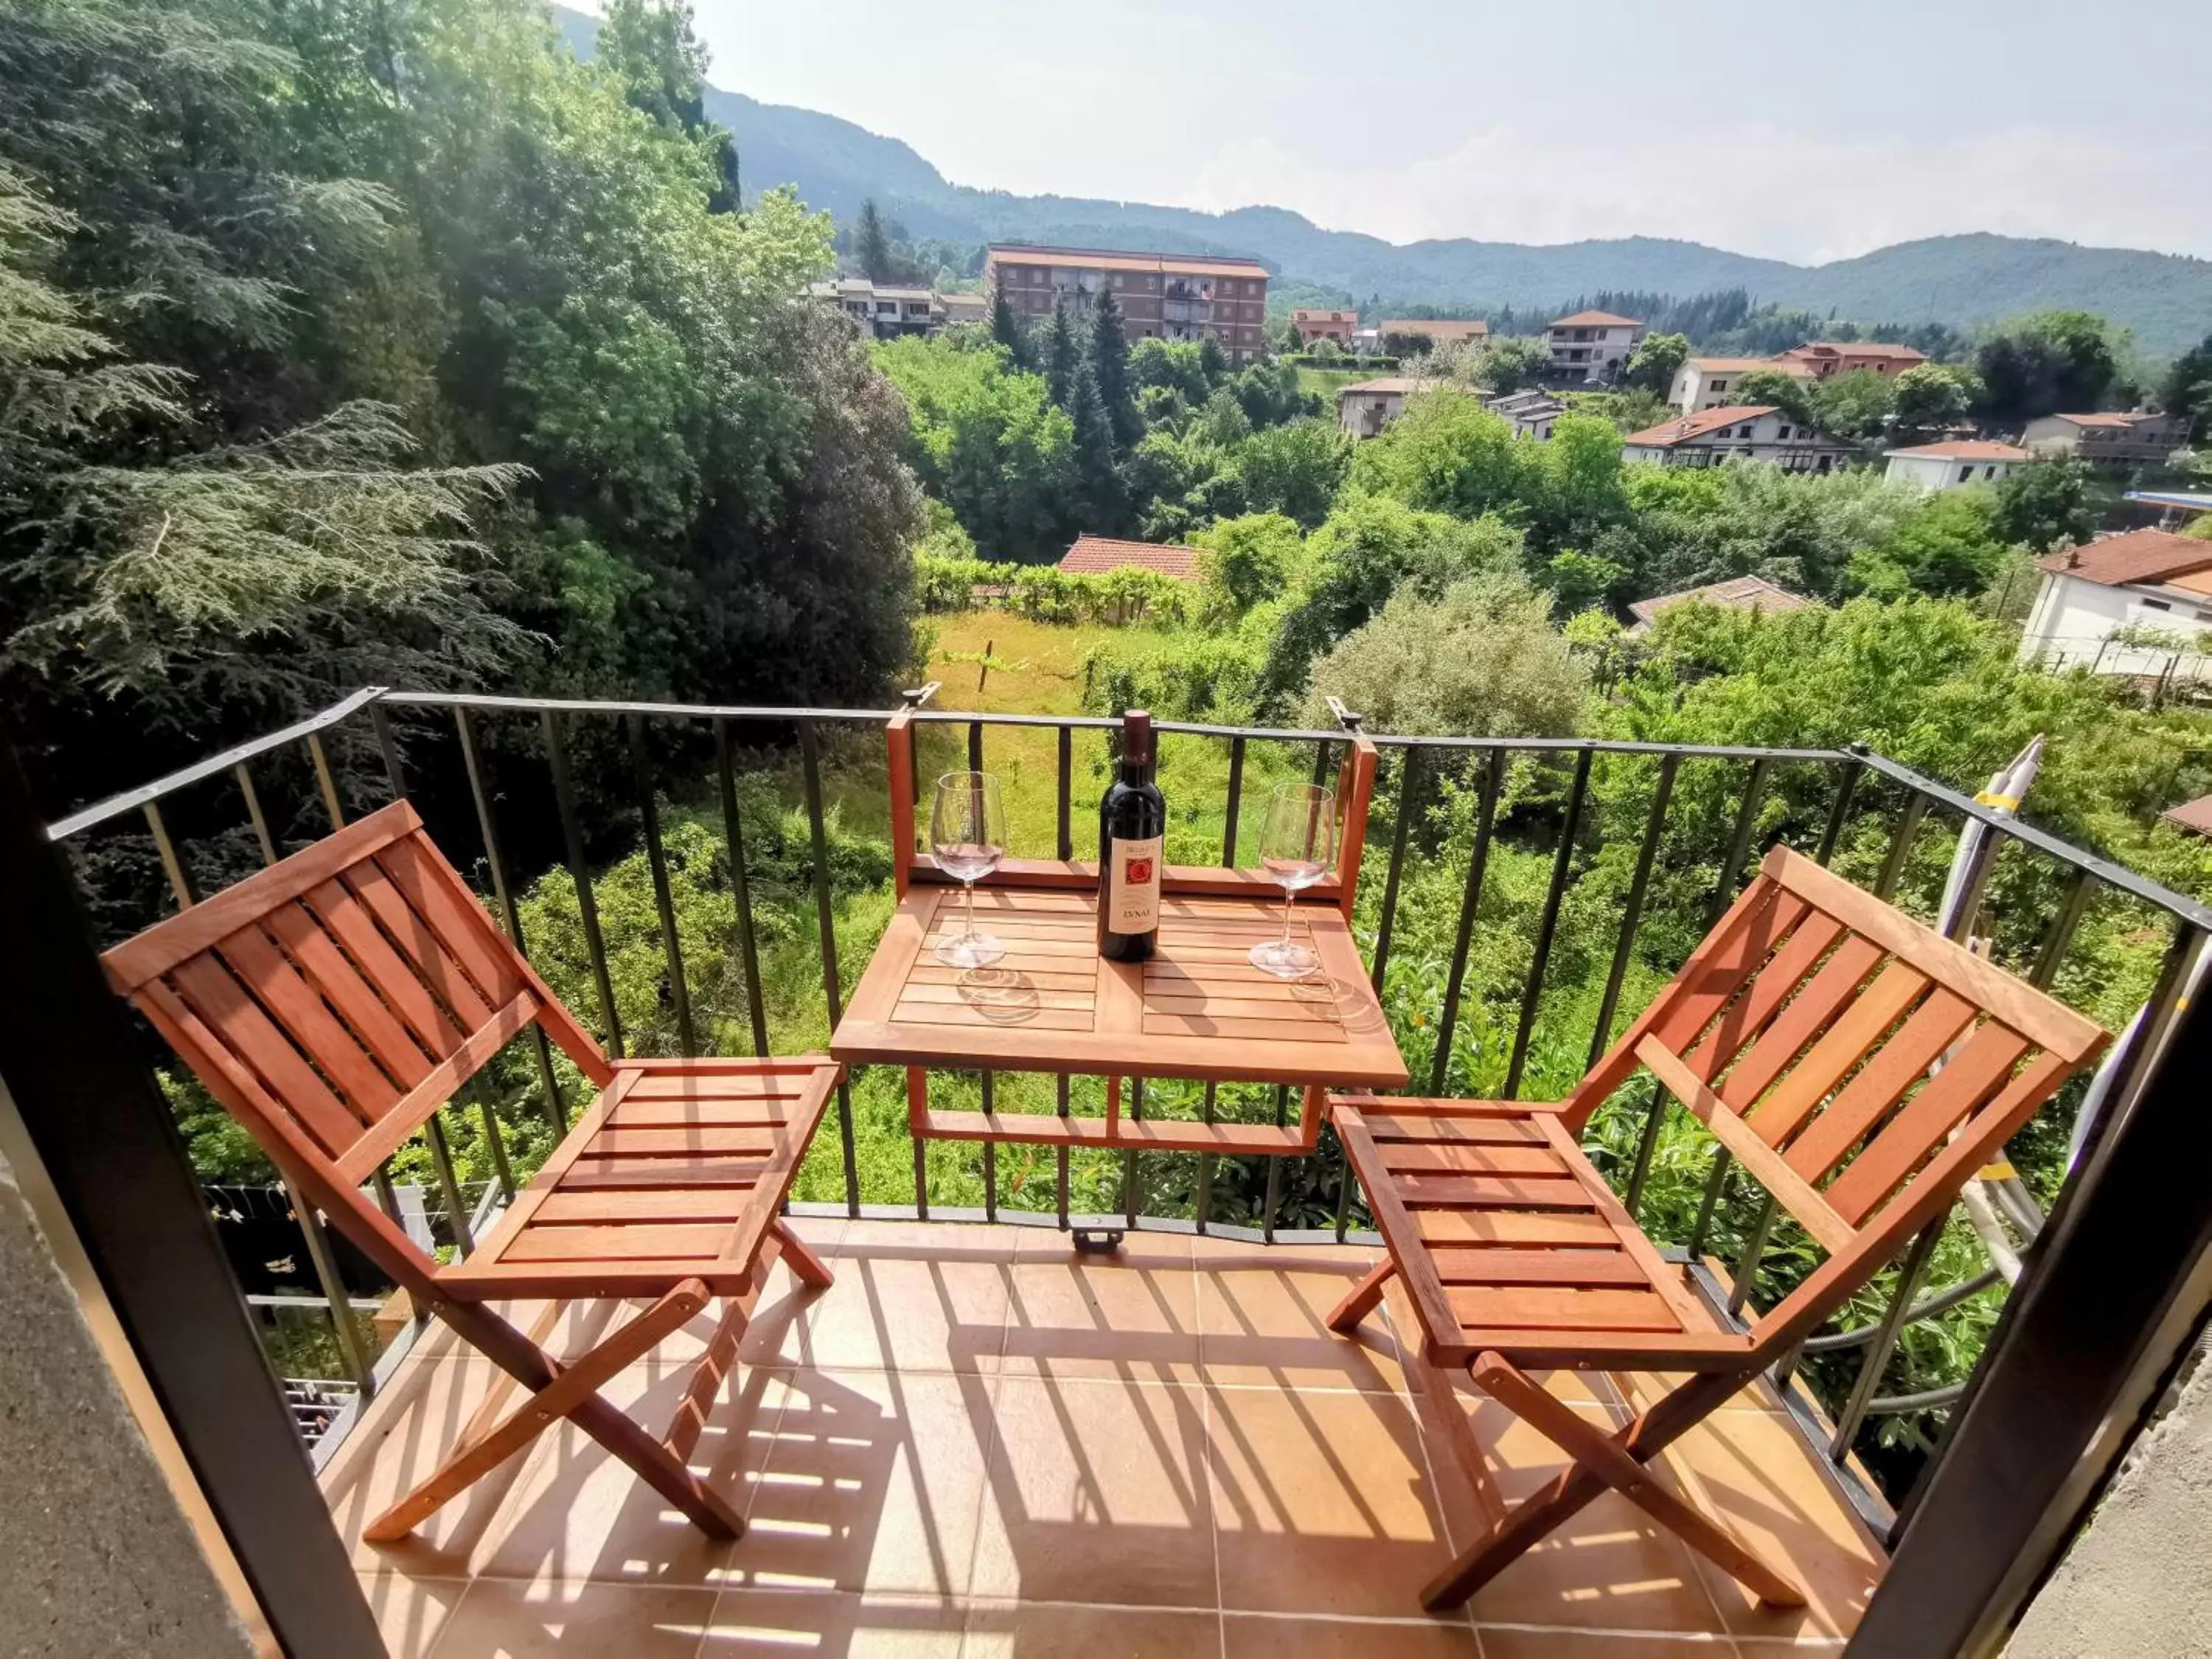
(695, 711)
(1618, 746)
(1112, 723)
(2115, 876)
(130, 799)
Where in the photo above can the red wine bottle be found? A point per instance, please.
(1133, 820)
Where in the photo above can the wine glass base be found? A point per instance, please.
(970, 951)
(1284, 959)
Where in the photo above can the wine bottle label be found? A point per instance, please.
(1132, 891)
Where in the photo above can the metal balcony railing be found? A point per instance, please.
(474, 763)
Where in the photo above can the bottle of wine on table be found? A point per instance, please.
(1132, 820)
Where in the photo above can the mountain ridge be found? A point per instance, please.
(1963, 279)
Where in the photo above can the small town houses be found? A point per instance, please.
(1757, 432)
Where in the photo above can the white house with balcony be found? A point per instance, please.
(2138, 604)
(1592, 345)
(1706, 382)
(1756, 432)
(1952, 463)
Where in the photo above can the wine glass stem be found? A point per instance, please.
(1289, 893)
(971, 909)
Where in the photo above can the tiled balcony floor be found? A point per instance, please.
(978, 1443)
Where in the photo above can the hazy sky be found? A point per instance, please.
(1806, 132)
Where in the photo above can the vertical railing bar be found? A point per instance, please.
(173, 862)
(1409, 795)
(663, 902)
(1639, 885)
(2061, 934)
(1900, 845)
(1646, 1143)
(1321, 762)
(1747, 820)
(1547, 927)
(1129, 1157)
(1470, 900)
(1064, 781)
(1059, 1182)
(1747, 1259)
(254, 814)
(334, 1290)
(810, 757)
(326, 779)
(1846, 787)
(496, 1139)
(741, 904)
(1344, 1179)
(1236, 801)
(394, 773)
(587, 906)
(556, 1110)
(1723, 1162)
(441, 1162)
(1202, 1204)
(1876, 1358)
(1275, 1168)
(987, 1081)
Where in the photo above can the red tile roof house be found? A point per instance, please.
(1099, 556)
(1750, 432)
(2145, 578)
(1593, 345)
(1753, 594)
(1951, 462)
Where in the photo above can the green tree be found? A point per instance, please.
(649, 47)
(1931, 399)
(989, 443)
(1481, 659)
(1514, 363)
(871, 246)
(1063, 354)
(1772, 388)
(1447, 453)
(1007, 328)
(1657, 359)
(1948, 547)
(2187, 390)
(1295, 470)
(2048, 362)
(1243, 561)
(1110, 370)
(1098, 477)
(2048, 504)
(1858, 406)
(1579, 580)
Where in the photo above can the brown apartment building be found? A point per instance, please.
(1170, 297)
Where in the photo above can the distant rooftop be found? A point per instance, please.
(1963, 449)
(2132, 559)
(2195, 815)
(1858, 348)
(1094, 555)
(1597, 319)
(1683, 427)
(1745, 365)
(2181, 501)
(1404, 384)
(1106, 258)
(1437, 328)
(1753, 594)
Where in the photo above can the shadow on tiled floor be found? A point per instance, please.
(979, 1444)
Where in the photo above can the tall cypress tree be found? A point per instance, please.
(1063, 355)
(1007, 328)
(872, 245)
(1109, 368)
(1097, 464)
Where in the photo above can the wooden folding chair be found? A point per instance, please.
(336, 1001)
(1856, 1064)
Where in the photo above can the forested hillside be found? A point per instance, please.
(2165, 298)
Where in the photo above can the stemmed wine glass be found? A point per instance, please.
(1297, 841)
(967, 828)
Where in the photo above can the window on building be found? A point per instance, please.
(1783, 433)
(2156, 604)
(1720, 386)
(1965, 473)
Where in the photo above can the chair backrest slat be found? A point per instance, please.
(1849, 1058)
(334, 1002)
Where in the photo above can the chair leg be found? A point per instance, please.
(808, 1267)
(1602, 1461)
(1362, 1300)
(572, 1392)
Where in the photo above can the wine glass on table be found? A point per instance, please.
(1297, 841)
(968, 830)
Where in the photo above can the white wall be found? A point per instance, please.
(2072, 616)
(1934, 472)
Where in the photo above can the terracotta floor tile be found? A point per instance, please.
(1610, 1567)
(409, 1611)
(1249, 1638)
(1752, 1474)
(1644, 1389)
(948, 1240)
(579, 1512)
(1262, 1321)
(911, 1308)
(1322, 1501)
(1131, 1313)
(1096, 1492)
(499, 1619)
(1498, 1643)
(1002, 1630)
(828, 1623)
(405, 1436)
(873, 1482)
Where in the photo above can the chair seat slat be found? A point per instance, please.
(223, 1005)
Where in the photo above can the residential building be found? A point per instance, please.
(1593, 345)
(1825, 358)
(964, 307)
(1094, 555)
(1365, 408)
(1705, 382)
(1367, 342)
(1531, 412)
(1337, 325)
(1952, 462)
(2138, 438)
(1169, 296)
(2194, 816)
(1439, 331)
(888, 311)
(2140, 580)
(1757, 432)
(2175, 507)
(1752, 593)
